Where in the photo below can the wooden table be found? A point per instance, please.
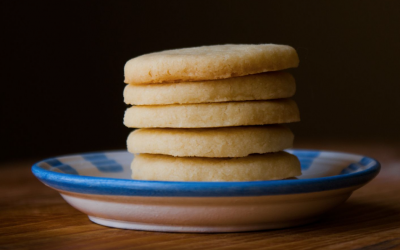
(34, 216)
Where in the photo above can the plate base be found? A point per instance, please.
(196, 229)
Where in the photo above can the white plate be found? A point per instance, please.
(99, 185)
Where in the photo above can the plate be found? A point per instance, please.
(99, 185)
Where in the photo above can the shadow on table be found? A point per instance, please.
(359, 215)
(352, 217)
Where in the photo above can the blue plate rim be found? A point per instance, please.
(125, 187)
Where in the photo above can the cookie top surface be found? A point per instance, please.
(211, 142)
(271, 166)
(265, 86)
(209, 63)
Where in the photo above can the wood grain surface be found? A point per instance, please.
(33, 216)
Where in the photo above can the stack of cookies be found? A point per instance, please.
(212, 113)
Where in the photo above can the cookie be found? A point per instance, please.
(266, 86)
(209, 63)
(271, 166)
(225, 114)
(211, 142)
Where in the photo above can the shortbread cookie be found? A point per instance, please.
(271, 166)
(211, 142)
(209, 63)
(266, 86)
(225, 114)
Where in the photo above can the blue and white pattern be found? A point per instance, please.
(107, 164)
(109, 173)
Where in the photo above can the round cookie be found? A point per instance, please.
(272, 166)
(266, 86)
(209, 63)
(211, 142)
(225, 114)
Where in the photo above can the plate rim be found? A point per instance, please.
(125, 187)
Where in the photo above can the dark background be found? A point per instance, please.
(62, 65)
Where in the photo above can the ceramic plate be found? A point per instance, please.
(99, 185)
